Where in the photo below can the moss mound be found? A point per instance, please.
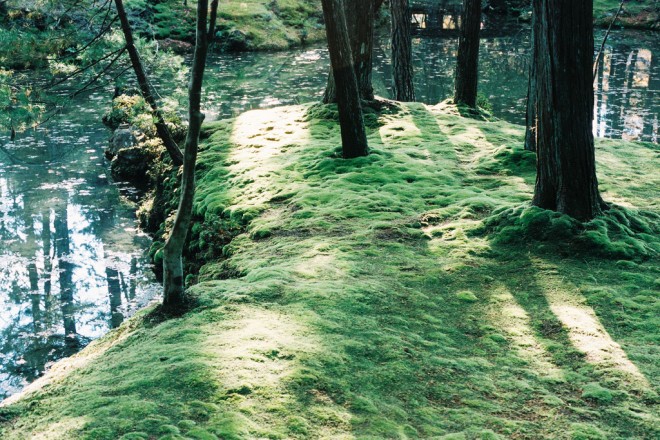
(619, 233)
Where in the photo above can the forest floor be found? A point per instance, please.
(409, 294)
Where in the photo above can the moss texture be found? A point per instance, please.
(376, 298)
(244, 24)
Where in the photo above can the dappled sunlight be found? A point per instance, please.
(590, 337)
(508, 315)
(586, 332)
(260, 139)
(318, 263)
(475, 150)
(67, 428)
(399, 127)
(256, 352)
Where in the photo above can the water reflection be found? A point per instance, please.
(627, 104)
(628, 92)
(72, 264)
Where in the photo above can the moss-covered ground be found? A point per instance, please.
(641, 14)
(408, 294)
(244, 24)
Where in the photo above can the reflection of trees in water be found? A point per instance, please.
(62, 226)
(65, 275)
(626, 94)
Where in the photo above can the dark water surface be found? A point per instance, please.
(72, 263)
(627, 89)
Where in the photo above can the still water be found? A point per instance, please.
(627, 88)
(72, 263)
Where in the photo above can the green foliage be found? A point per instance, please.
(126, 109)
(134, 111)
(17, 110)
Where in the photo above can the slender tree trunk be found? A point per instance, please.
(530, 117)
(353, 135)
(402, 64)
(145, 88)
(467, 62)
(566, 169)
(173, 276)
(360, 20)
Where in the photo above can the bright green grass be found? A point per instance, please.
(374, 303)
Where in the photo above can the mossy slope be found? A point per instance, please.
(378, 298)
(245, 24)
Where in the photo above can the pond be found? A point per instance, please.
(72, 262)
(627, 89)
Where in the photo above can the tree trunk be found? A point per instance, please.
(530, 116)
(145, 88)
(360, 19)
(353, 135)
(566, 169)
(173, 276)
(402, 65)
(467, 61)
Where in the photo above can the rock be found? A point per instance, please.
(236, 41)
(131, 164)
(123, 137)
(177, 46)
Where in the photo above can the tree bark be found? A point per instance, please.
(353, 135)
(467, 61)
(402, 65)
(566, 169)
(360, 20)
(530, 116)
(145, 88)
(173, 276)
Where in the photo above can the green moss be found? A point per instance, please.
(618, 233)
(467, 296)
(593, 391)
(642, 14)
(583, 431)
(245, 25)
(337, 306)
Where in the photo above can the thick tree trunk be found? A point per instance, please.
(145, 88)
(402, 65)
(353, 135)
(360, 20)
(467, 61)
(173, 276)
(566, 169)
(530, 116)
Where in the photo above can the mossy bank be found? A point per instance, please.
(245, 24)
(408, 294)
(641, 14)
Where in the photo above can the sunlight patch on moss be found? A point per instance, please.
(587, 333)
(507, 314)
